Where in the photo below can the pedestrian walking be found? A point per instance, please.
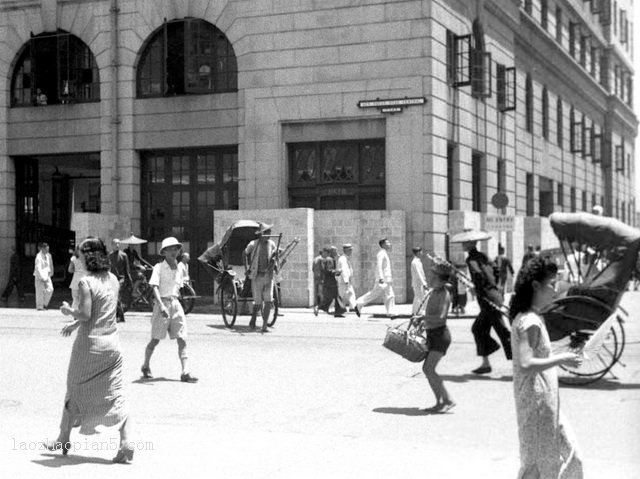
(121, 269)
(260, 266)
(168, 315)
(183, 264)
(483, 276)
(95, 385)
(459, 294)
(15, 277)
(505, 270)
(43, 272)
(316, 268)
(77, 269)
(547, 445)
(383, 282)
(438, 334)
(330, 284)
(346, 291)
(418, 280)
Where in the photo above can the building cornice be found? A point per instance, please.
(9, 5)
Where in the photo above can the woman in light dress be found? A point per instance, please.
(547, 447)
(76, 267)
(95, 384)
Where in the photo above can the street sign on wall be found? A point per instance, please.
(499, 223)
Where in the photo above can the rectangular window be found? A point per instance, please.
(545, 188)
(545, 114)
(604, 70)
(544, 14)
(560, 199)
(559, 122)
(506, 87)
(462, 60)
(587, 141)
(528, 104)
(619, 157)
(584, 47)
(530, 197)
(559, 25)
(584, 200)
(574, 36)
(573, 199)
(451, 57)
(593, 68)
(528, 6)
(337, 174)
(576, 135)
(604, 10)
(451, 176)
(476, 180)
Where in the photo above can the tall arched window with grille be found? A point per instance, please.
(187, 56)
(53, 68)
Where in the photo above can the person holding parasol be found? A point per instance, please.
(489, 297)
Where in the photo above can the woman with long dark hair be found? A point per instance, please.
(95, 385)
(547, 447)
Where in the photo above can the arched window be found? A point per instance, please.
(55, 68)
(184, 57)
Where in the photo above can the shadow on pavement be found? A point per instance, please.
(463, 378)
(237, 329)
(58, 460)
(405, 411)
(154, 380)
(603, 385)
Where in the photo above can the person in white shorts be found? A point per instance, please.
(168, 315)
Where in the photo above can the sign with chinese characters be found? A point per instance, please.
(395, 105)
(499, 223)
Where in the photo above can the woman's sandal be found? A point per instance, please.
(56, 445)
(124, 455)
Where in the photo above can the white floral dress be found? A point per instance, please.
(547, 447)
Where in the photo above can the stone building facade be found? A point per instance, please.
(149, 116)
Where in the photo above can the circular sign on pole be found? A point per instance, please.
(500, 200)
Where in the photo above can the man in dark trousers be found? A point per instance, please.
(505, 268)
(120, 268)
(330, 292)
(15, 277)
(528, 255)
(489, 296)
(317, 268)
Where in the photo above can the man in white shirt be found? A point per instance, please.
(345, 279)
(418, 280)
(43, 272)
(383, 285)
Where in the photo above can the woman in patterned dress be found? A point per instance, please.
(95, 386)
(547, 447)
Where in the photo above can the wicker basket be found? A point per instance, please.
(406, 342)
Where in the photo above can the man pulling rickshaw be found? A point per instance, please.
(260, 265)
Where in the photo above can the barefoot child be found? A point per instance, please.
(168, 316)
(438, 336)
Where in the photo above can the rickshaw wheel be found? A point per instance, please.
(273, 315)
(594, 365)
(186, 298)
(229, 302)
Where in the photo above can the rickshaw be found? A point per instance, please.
(600, 256)
(225, 259)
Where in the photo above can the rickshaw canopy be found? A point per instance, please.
(232, 244)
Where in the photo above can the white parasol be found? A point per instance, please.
(470, 235)
(133, 239)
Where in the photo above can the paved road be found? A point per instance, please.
(317, 398)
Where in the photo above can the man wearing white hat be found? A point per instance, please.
(258, 261)
(168, 315)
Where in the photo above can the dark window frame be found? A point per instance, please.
(60, 66)
(314, 186)
(186, 56)
(506, 88)
(528, 103)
